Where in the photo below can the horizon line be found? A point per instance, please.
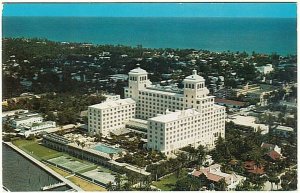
(237, 17)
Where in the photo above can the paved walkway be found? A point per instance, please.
(40, 164)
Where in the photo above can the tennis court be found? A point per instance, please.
(71, 164)
(99, 175)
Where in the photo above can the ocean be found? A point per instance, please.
(261, 35)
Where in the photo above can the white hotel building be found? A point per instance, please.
(176, 117)
(110, 115)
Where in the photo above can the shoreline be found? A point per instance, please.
(42, 166)
(132, 46)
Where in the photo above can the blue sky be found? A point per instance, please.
(281, 10)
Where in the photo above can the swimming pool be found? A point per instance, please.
(106, 149)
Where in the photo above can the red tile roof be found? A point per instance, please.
(213, 177)
(209, 176)
(274, 155)
(268, 146)
(230, 102)
(252, 168)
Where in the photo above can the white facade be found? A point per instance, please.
(174, 130)
(265, 69)
(153, 99)
(25, 121)
(176, 117)
(112, 97)
(40, 126)
(37, 128)
(193, 101)
(249, 121)
(110, 115)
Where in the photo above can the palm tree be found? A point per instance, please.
(277, 181)
(182, 161)
(109, 186)
(82, 144)
(221, 185)
(111, 155)
(118, 181)
(77, 142)
(131, 177)
(147, 181)
(256, 155)
(271, 180)
(201, 154)
(99, 137)
(127, 186)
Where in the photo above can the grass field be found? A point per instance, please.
(36, 150)
(167, 183)
(59, 171)
(83, 184)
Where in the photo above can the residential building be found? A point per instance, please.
(252, 167)
(37, 128)
(265, 69)
(230, 103)
(283, 131)
(110, 115)
(272, 151)
(119, 77)
(25, 120)
(249, 121)
(214, 174)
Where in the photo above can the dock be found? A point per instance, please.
(52, 186)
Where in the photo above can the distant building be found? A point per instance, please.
(230, 103)
(273, 151)
(283, 131)
(37, 127)
(249, 121)
(119, 77)
(265, 69)
(112, 97)
(214, 174)
(26, 123)
(14, 112)
(28, 119)
(251, 167)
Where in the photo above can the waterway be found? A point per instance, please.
(20, 174)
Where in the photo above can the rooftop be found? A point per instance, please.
(249, 121)
(284, 128)
(173, 116)
(194, 77)
(166, 89)
(230, 102)
(27, 117)
(110, 104)
(138, 70)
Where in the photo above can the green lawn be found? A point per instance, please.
(167, 183)
(36, 150)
